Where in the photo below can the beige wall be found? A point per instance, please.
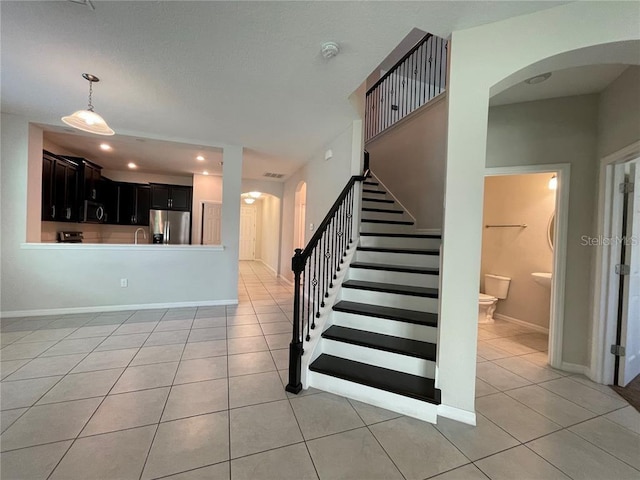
(205, 187)
(410, 160)
(268, 232)
(325, 180)
(517, 252)
(619, 113)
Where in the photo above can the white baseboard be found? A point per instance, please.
(506, 318)
(269, 267)
(115, 308)
(575, 368)
(457, 414)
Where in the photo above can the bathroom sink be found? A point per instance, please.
(542, 278)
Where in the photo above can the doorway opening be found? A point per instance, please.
(260, 217)
(520, 307)
(300, 210)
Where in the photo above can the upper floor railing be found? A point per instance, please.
(415, 79)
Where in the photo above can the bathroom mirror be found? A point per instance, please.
(551, 230)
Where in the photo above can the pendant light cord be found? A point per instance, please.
(90, 107)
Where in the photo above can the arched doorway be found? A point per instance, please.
(300, 209)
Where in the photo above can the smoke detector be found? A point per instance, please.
(329, 50)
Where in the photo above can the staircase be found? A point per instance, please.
(379, 342)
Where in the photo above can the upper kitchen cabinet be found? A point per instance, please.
(133, 204)
(59, 188)
(170, 197)
(89, 179)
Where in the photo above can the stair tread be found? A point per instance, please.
(393, 222)
(378, 200)
(412, 386)
(389, 313)
(371, 183)
(396, 268)
(391, 288)
(381, 210)
(401, 235)
(377, 192)
(388, 343)
(410, 251)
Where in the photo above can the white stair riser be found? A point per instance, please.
(379, 398)
(400, 242)
(408, 302)
(383, 215)
(380, 358)
(392, 258)
(386, 228)
(385, 326)
(395, 278)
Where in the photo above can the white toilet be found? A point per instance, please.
(496, 288)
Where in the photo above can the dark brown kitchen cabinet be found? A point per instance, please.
(170, 197)
(89, 180)
(133, 204)
(59, 188)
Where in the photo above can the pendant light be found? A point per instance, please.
(88, 120)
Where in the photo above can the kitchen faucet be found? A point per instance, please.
(135, 235)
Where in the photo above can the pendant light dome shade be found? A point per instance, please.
(88, 120)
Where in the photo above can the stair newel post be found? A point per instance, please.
(295, 347)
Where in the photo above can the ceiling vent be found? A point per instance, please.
(86, 3)
(273, 175)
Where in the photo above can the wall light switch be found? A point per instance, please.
(328, 155)
(124, 282)
(311, 227)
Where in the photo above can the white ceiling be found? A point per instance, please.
(562, 83)
(215, 73)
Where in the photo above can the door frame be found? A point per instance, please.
(556, 317)
(202, 204)
(605, 309)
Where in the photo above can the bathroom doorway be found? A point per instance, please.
(523, 262)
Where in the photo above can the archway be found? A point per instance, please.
(300, 208)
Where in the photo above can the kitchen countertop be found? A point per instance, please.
(119, 246)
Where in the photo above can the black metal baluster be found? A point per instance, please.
(316, 283)
(323, 276)
(420, 68)
(414, 73)
(305, 319)
(432, 67)
(443, 62)
(424, 68)
(350, 214)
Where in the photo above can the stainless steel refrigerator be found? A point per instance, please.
(170, 227)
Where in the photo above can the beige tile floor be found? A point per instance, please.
(197, 393)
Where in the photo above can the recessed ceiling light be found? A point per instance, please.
(106, 147)
(132, 165)
(200, 158)
(538, 78)
(205, 173)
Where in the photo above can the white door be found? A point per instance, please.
(211, 223)
(247, 232)
(630, 321)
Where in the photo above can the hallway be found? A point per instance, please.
(198, 393)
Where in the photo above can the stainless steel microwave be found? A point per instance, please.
(93, 212)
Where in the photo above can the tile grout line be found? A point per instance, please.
(97, 408)
(155, 433)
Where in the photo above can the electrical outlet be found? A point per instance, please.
(311, 227)
(124, 282)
